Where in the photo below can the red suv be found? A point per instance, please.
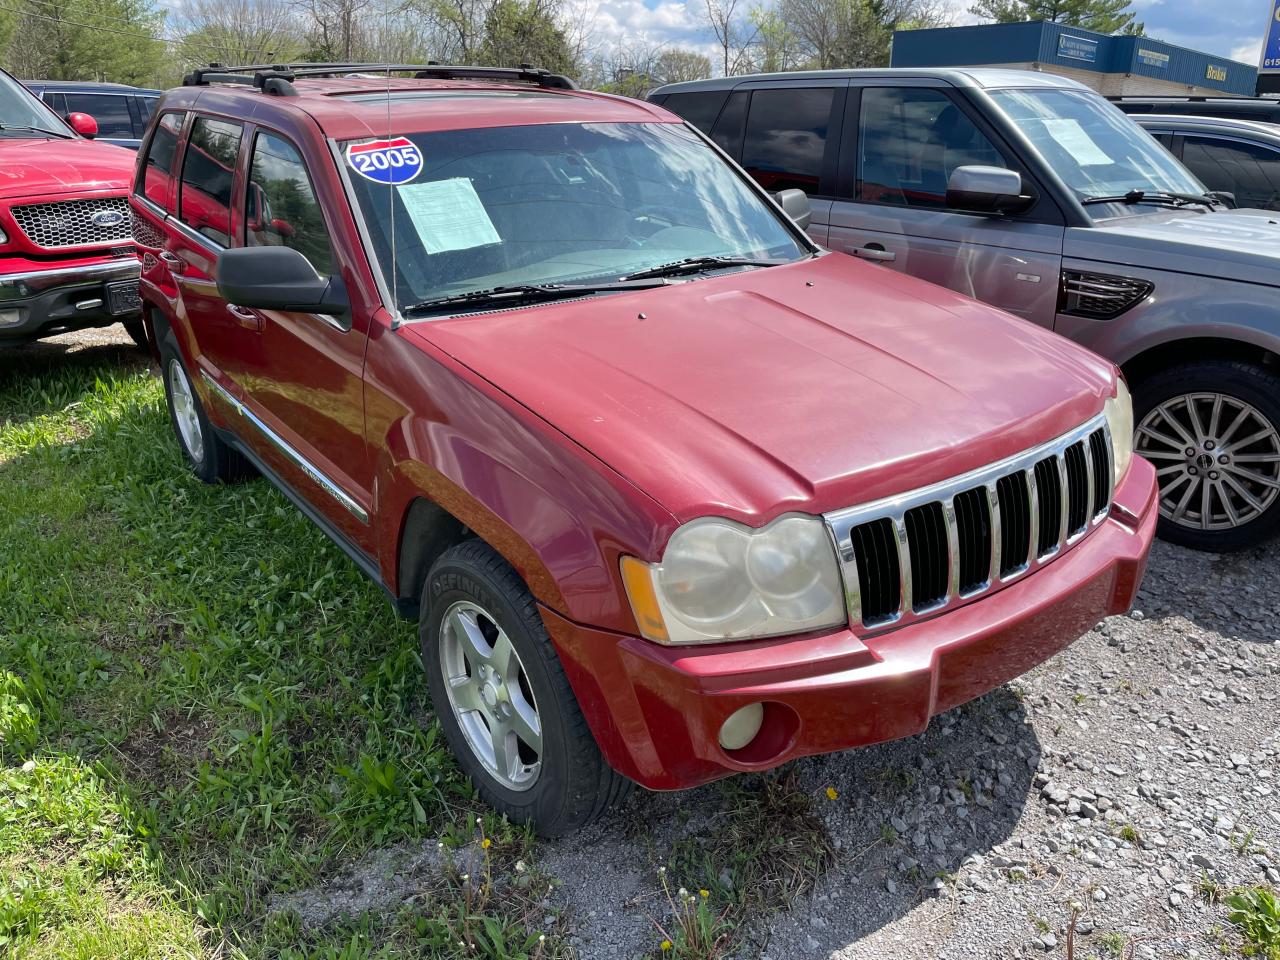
(66, 250)
(675, 492)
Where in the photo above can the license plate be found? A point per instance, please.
(122, 297)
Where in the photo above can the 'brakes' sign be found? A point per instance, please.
(386, 161)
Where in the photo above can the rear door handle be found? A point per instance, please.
(245, 317)
(872, 253)
(174, 262)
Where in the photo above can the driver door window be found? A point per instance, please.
(910, 141)
(281, 209)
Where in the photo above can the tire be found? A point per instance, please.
(210, 458)
(1194, 452)
(562, 782)
(137, 331)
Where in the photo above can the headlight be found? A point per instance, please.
(3, 237)
(720, 580)
(1119, 411)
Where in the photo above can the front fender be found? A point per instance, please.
(557, 514)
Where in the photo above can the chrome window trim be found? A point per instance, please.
(280, 444)
(841, 523)
(195, 235)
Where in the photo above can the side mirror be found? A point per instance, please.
(277, 278)
(993, 190)
(282, 228)
(83, 124)
(795, 204)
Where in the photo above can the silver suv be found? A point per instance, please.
(1033, 193)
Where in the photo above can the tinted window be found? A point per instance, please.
(110, 110)
(733, 119)
(281, 208)
(146, 107)
(700, 109)
(207, 174)
(157, 170)
(1251, 172)
(787, 136)
(909, 142)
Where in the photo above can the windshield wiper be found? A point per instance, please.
(698, 264)
(528, 293)
(1155, 196)
(4, 127)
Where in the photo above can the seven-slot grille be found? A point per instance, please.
(911, 555)
(71, 223)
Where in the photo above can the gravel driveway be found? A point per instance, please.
(1132, 779)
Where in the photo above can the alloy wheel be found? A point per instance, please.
(1217, 459)
(185, 412)
(490, 695)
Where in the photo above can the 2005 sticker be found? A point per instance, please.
(386, 161)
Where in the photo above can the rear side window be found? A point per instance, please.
(208, 171)
(281, 207)
(909, 142)
(1249, 171)
(157, 167)
(110, 110)
(727, 133)
(700, 109)
(787, 137)
(146, 107)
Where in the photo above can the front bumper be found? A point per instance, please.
(56, 297)
(656, 711)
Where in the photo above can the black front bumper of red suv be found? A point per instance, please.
(60, 297)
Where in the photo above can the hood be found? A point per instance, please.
(33, 167)
(816, 385)
(1231, 244)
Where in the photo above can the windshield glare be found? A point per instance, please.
(20, 108)
(560, 203)
(1096, 149)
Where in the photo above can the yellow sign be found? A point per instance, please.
(1216, 73)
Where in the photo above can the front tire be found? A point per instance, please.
(1212, 430)
(209, 456)
(502, 697)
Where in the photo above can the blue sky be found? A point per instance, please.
(1229, 28)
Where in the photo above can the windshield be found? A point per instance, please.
(553, 203)
(1096, 149)
(20, 108)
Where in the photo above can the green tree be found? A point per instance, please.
(1104, 16)
(677, 65)
(524, 31)
(113, 40)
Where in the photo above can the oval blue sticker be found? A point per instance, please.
(386, 161)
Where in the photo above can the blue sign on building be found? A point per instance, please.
(1080, 48)
(1153, 58)
(1271, 51)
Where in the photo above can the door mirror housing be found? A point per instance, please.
(83, 124)
(277, 278)
(991, 190)
(795, 204)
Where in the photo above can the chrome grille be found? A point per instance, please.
(70, 223)
(908, 556)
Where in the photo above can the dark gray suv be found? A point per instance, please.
(1033, 193)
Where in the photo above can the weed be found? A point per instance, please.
(1113, 943)
(1256, 914)
(1129, 834)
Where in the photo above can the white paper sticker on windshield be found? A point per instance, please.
(448, 215)
(1079, 144)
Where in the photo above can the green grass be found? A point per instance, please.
(203, 705)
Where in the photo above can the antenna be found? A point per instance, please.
(391, 188)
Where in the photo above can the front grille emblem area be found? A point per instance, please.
(106, 219)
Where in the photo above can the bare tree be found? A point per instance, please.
(336, 30)
(239, 31)
(733, 31)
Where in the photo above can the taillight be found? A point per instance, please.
(1097, 296)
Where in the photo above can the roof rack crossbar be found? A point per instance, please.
(278, 78)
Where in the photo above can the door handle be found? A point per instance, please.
(876, 254)
(174, 262)
(245, 317)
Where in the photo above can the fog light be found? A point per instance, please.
(742, 726)
(11, 318)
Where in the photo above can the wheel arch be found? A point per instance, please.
(426, 531)
(1170, 353)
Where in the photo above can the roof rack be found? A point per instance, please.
(277, 78)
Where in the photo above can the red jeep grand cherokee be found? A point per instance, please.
(66, 250)
(676, 493)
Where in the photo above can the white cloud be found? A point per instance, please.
(1250, 53)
